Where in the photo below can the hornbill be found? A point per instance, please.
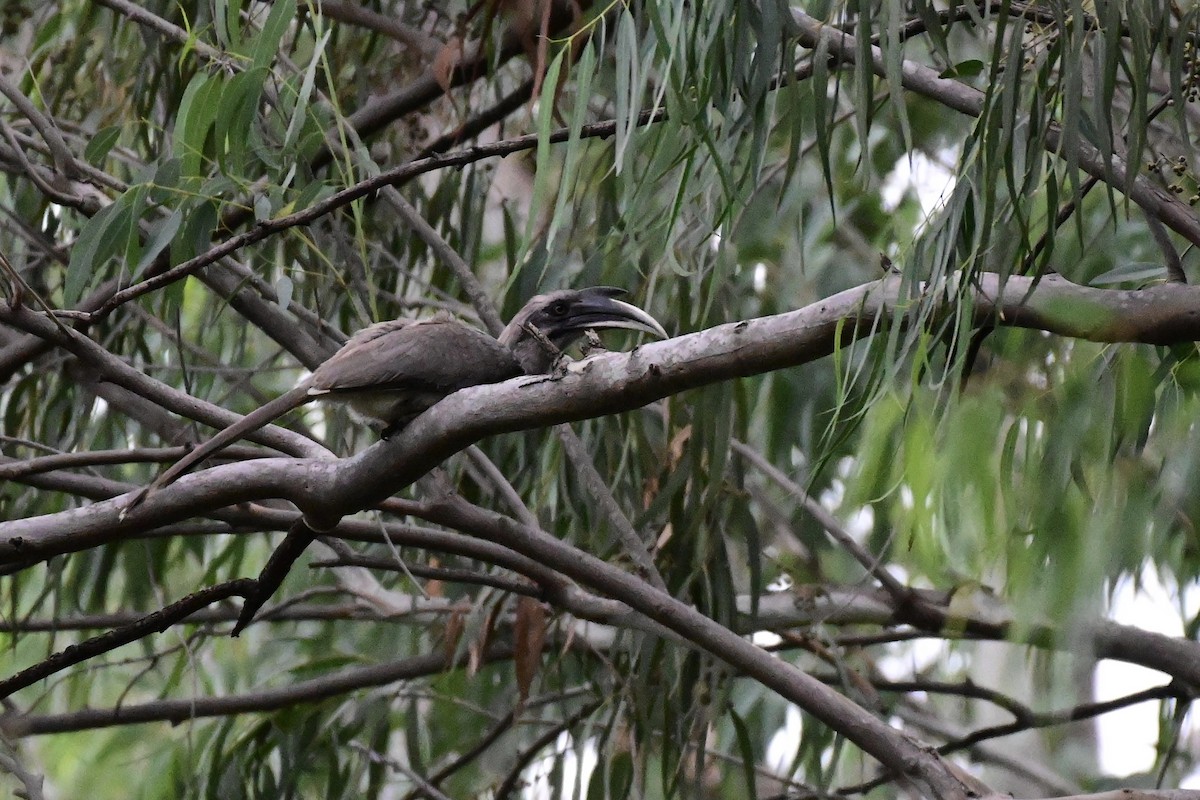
(390, 372)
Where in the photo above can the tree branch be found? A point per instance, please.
(155, 622)
(954, 94)
(614, 382)
(176, 711)
(893, 750)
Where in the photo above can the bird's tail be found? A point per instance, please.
(248, 424)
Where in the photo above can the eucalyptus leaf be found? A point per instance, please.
(164, 234)
(1133, 272)
(100, 145)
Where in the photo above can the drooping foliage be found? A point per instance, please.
(216, 193)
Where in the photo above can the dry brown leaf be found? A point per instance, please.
(435, 587)
(675, 448)
(529, 635)
(479, 646)
(446, 61)
(674, 456)
(453, 633)
(664, 537)
(649, 491)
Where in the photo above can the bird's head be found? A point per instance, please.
(560, 318)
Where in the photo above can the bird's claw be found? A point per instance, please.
(560, 367)
(591, 344)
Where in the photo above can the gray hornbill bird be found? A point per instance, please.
(390, 372)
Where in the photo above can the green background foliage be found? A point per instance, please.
(1035, 470)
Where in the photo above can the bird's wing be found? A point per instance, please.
(439, 355)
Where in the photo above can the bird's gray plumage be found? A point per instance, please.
(391, 372)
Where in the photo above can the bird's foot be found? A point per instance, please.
(560, 367)
(591, 344)
(394, 427)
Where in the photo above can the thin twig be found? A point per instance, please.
(871, 563)
(310, 691)
(155, 622)
(64, 159)
(498, 729)
(511, 781)
(354, 14)
(433, 573)
(141, 16)
(15, 470)
(392, 177)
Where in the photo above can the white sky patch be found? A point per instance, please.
(714, 241)
(860, 522)
(833, 495)
(782, 747)
(906, 659)
(1127, 736)
(781, 584)
(929, 178)
(538, 773)
(766, 638)
(760, 277)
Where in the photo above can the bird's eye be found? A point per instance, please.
(559, 309)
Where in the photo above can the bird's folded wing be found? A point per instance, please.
(439, 355)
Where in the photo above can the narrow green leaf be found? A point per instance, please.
(131, 230)
(583, 73)
(100, 145)
(164, 234)
(820, 89)
(1134, 271)
(266, 44)
(195, 234)
(893, 58)
(1135, 397)
(85, 254)
(227, 16)
(197, 112)
(543, 179)
(296, 123)
(971, 68)
(313, 193)
(166, 180)
(48, 29)
(746, 749)
(113, 230)
(237, 110)
(262, 208)
(628, 80)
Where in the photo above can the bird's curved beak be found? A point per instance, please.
(599, 308)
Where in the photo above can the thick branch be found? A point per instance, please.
(896, 752)
(611, 383)
(109, 367)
